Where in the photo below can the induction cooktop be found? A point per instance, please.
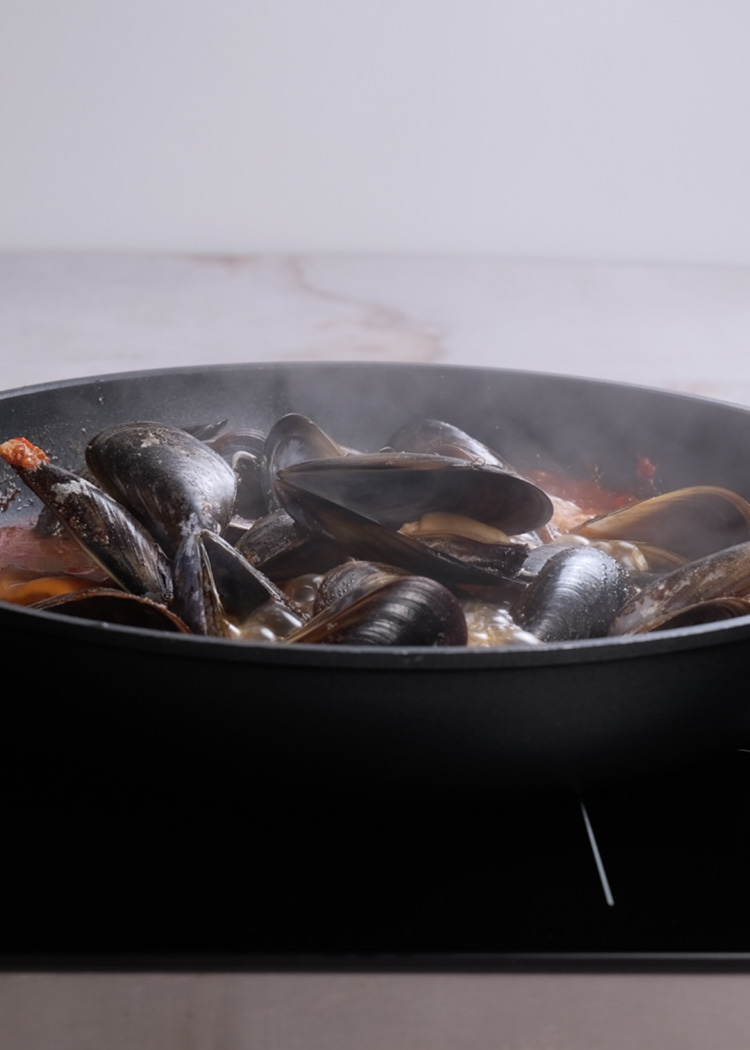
(650, 874)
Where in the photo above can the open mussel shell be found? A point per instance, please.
(114, 607)
(293, 439)
(240, 585)
(248, 439)
(497, 559)
(722, 574)
(443, 439)
(369, 540)
(713, 611)
(250, 501)
(282, 549)
(689, 522)
(218, 588)
(393, 488)
(243, 450)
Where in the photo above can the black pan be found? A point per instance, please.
(122, 709)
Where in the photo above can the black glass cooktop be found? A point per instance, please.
(645, 875)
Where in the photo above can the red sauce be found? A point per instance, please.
(590, 496)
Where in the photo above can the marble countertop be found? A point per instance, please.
(70, 315)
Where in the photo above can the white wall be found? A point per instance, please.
(612, 129)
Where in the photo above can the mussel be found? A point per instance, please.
(443, 439)
(388, 609)
(362, 502)
(688, 522)
(100, 524)
(393, 488)
(171, 481)
(291, 440)
(281, 548)
(115, 607)
(577, 594)
(721, 575)
(179, 489)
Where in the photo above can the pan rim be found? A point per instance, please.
(386, 657)
(384, 366)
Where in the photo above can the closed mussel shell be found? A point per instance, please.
(171, 481)
(348, 581)
(409, 610)
(577, 594)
